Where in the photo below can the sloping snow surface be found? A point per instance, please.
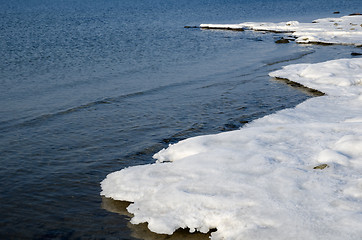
(343, 30)
(259, 182)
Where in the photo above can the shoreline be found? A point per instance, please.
(238, 173)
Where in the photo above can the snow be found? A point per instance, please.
(260, 182)
(343, 30)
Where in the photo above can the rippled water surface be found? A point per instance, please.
(91, 87)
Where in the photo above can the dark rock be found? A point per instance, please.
(282, 40)
(321, 166)
(243, 121)
(355, 14)
(336, 12)
(356, 54)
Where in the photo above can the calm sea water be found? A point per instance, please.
(88, 87)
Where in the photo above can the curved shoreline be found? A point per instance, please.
(292, 174)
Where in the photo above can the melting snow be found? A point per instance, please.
(260, 182)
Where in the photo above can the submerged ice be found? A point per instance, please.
(261, 182)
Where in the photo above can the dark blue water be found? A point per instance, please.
(90, 87)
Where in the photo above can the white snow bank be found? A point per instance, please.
(259, 182)
(335, 78)
(343, 30)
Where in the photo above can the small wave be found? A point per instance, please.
(187, 133)
(32, 121)
(45, 117)
(289, 58)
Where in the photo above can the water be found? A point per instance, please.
(91, 87)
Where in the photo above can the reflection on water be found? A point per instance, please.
(141, 231)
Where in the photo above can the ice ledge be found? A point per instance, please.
(345, 30)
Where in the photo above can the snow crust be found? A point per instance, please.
(343, 30)
(261, 182)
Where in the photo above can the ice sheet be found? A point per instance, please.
(343, 30)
